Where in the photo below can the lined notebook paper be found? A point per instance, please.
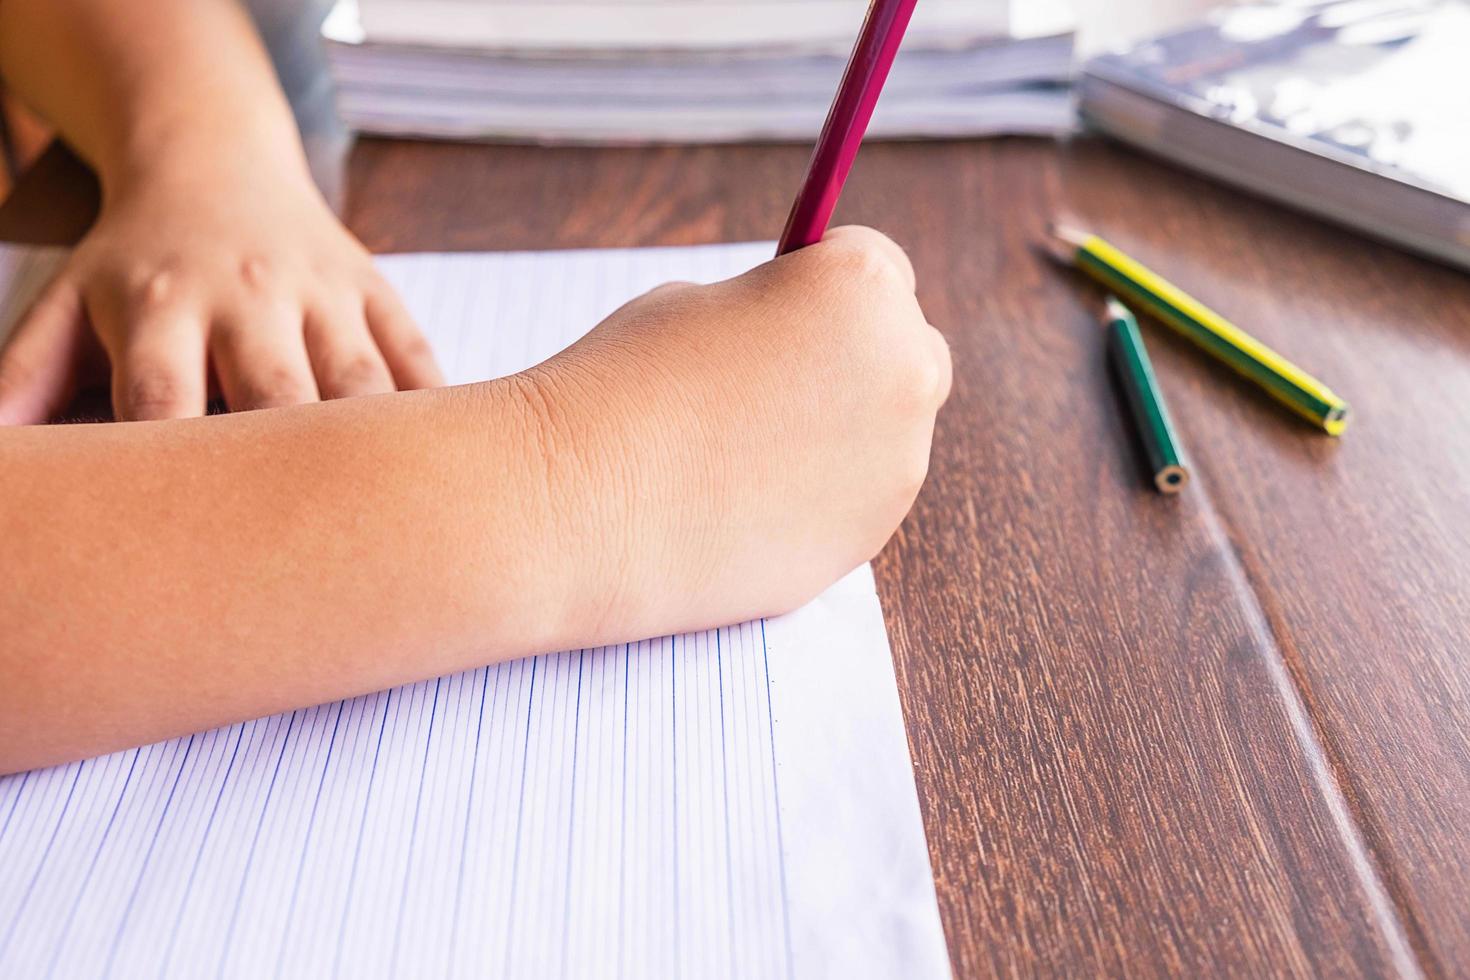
(734, 803)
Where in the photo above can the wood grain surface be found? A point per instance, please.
(1223, 733)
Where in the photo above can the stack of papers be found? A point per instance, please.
(638, 71)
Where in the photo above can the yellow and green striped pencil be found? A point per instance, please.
(1282, 379)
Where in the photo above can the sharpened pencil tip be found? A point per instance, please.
(1116, 309)
(1064, 232)
(1054, 250)
(1057, 250)
(1062, 242)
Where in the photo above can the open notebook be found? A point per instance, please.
(735, 803)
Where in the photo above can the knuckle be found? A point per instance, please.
(918, 378)
(151, 391)
(15, 368)
(257, 273)
(943, 367)
(867, 254)
(861, 258)
(866, 278)
(277, 385)
(928, 378)
(917, 381)
(916, 471)
(415, 347)
(357, 371)
(910, 471)
(157, 289)
(152, 289)
(858, 234)
(673, 286)
(380, 296)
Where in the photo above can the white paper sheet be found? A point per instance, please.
(735, 803)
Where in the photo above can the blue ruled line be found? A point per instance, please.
(203, 843)
(147, 857)
(674, 752)
(623, 805)
(40, 865)
(776, 788)
(15, 804)
(71, 915)
(469, 809)
(515, 865)
(413, 830)
(306, 843)
(725, 781)
(566, 916)
(270, 791)
(361, 830)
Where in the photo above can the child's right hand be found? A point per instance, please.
(755, 439)
(708, 454)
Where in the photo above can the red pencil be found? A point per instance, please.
(847, 120)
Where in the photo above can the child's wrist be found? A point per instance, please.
(207, 155)
(638, 509)
(589, 498)
(596, 490)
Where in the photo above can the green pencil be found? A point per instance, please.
(1145, 402)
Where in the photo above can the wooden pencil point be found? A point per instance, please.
(1066, 234)
(1057, 250)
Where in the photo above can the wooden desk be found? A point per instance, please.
(1227, 732)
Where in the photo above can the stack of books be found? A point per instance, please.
(640, 71)
(1356, 111)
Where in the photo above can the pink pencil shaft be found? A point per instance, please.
(846, 123)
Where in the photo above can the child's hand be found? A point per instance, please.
(756, 439)
(706, 455)
(235, 275)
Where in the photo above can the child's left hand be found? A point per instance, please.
(223, 274)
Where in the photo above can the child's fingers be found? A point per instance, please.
(342, 353)
(38, 365)
(159, 371)
(408, 354)
(261, 361)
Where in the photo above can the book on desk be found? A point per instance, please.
(1355, 112)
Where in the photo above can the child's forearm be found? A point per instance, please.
(163, 578)
(707, 454)
(137, 87)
